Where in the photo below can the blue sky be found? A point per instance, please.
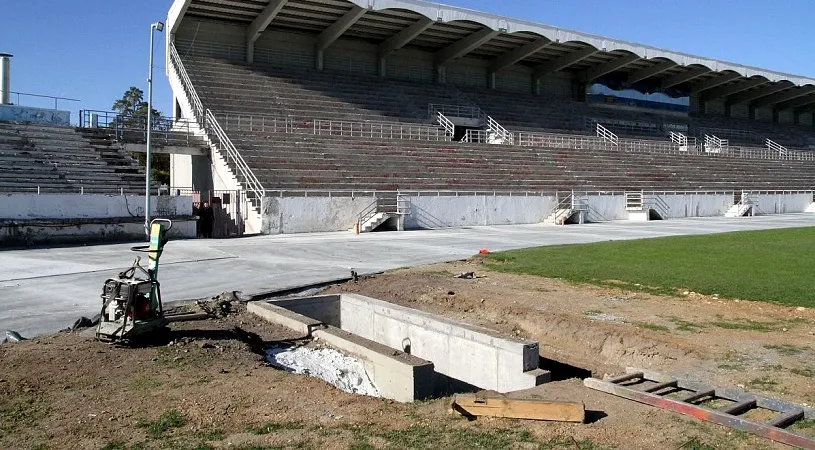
(94, 50)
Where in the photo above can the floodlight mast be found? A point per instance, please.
(158, 26)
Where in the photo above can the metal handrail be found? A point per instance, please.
(502, 133)
(195, 100)
(606, 135)
(55, 98)
(776, 147)
(253, 184)
(382, 130)
(447, 124)
(368, 213)
(656, 202)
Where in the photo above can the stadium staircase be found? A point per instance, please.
(744, 205)
(55, 159)
(230, 169)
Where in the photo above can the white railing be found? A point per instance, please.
(261, 123)
(678, 138)
(606, 135)
(714, 144)
(634, 201)
(501, 133)
(776, 147)
(448, 126)
(382, 130)
(192, 96)
(219, 138)
(657, 203)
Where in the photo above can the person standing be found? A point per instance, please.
(207, 219)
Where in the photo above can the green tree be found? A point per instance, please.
(132, 115)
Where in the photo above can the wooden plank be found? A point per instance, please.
(472, 405)
(700, 412)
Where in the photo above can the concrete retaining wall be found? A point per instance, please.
(317, 214)
(476, 356)
(91, 206)
(311, 214)
(477, 210)
(81, 231)
(781, 203)
(13, 113)
(396, 375)
(606, 207)
(696, 205)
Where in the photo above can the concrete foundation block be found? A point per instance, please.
(397, 375)
(284, 317)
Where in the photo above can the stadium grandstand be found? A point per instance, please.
(419, 98)
(315, 115)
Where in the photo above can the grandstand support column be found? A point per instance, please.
(513, 57)
(559, 63)
(459, 49)
(695, 104)
(399, 40)
(333, 32)
(258, 25)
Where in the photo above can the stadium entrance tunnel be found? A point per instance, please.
(410, 354)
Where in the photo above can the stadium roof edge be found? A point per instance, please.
(446, 14)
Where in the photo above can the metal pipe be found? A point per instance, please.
(5, 79)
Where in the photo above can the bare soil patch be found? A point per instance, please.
(212, 389)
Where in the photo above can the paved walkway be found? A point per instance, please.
(43, 290)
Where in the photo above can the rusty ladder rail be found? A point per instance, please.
(653, 389)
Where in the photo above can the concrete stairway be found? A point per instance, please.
(373, 222)
(52, 159)
(739, 210)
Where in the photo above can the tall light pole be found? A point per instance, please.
(158, 26)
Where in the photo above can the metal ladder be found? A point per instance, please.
(684, 396)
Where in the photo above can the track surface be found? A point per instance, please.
(44, 290)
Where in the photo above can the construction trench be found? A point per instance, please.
(409, 354)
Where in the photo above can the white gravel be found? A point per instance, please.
(326, 364)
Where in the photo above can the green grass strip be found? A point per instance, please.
(772, 265)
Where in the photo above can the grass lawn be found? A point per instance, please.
(772, 265)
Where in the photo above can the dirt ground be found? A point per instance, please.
(206, 384)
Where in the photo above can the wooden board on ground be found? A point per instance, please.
(473, 405)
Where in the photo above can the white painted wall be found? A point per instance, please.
(781, 203)
(604, 208)
(696, 205)
(92, 206)
(311, 214)
(447, 211)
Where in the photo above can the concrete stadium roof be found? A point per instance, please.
(453, 32)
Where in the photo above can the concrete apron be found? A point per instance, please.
(410, 354)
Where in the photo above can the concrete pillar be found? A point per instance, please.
(536, 85)
(491, 80)
(400, 223)
(383, 67)
(440, 74)
(318, 60)
(696, 106)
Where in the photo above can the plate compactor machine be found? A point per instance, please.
(131, 303)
